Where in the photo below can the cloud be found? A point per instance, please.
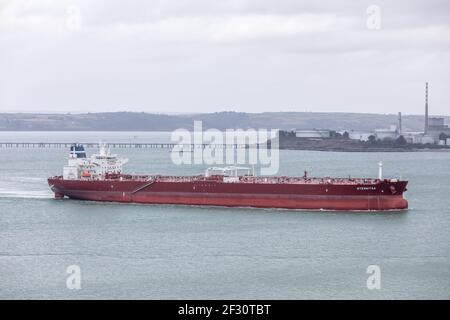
(255, 55)
(226, 29)
(164, 21)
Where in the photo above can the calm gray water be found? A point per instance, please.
(176, 252)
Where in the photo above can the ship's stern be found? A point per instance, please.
(53, 184)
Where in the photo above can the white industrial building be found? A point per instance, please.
(391, 133)
(315, 133)
(359, 135)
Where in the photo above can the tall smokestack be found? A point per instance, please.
(400, 123)
(426, 108)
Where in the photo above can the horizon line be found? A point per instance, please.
(201, 113)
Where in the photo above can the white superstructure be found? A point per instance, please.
(231, 173)
(96, 166)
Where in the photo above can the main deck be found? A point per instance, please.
(239, 179)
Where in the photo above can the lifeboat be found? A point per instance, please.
(86, 174)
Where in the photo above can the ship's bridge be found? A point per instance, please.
(77, 151)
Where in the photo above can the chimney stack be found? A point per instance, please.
(400, 123)
(426, 108)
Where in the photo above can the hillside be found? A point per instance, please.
(136, 121)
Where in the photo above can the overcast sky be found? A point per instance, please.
(205, 56)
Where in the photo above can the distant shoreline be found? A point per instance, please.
(373, 150)
(141, 121)
(289, 142)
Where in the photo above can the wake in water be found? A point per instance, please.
(22, 179)
(38, 194)
(24, 187)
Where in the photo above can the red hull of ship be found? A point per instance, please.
(385, 195)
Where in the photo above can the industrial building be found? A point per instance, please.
(315, 133)
(434, 126)
(391, 133)
(359, 135)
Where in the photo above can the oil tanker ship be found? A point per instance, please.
(100, 178)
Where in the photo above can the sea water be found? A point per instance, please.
(126, 251)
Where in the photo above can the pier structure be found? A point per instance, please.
(151, 145)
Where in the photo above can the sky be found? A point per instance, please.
(185, 56)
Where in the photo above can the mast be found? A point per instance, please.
(380, 170)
